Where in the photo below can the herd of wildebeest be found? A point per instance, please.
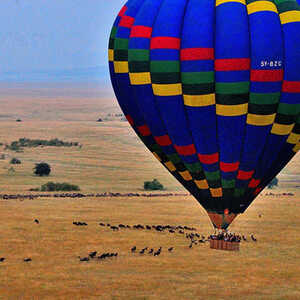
(81, 195)
(189, 233)
(106, 194)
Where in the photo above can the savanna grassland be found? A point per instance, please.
(112, 158)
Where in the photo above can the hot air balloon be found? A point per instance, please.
(212, 88)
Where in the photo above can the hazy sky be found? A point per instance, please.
(55, 34)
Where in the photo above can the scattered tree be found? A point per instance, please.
(15, 161)
(273, 183)
(153, 185)
(42, 169)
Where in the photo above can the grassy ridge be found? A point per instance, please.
(110, 150)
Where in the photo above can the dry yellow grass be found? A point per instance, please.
(268, 269)
(112, 159)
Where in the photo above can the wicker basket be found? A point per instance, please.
(223, 245)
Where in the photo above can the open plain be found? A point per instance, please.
(110, 158)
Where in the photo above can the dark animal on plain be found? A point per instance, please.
(201, 241)
(133, 249)
(171, 231)
(37, 221)
(159, 228)
(157, 252)
(115, 254)
(108, 225)
(2, 259)
(101, 224)
(244, 238)
(148, 227)
(191, 245)
(197, 235)
(114, 228)
(84, 224)
(151, 251)
(143, 250)
(181, 231)
(83, 258)
(27, 259)
(171, 249)
(93, 254)
(259, 215)
(103, 255)
(75, 223)
(122, 226)
(253, 238)
(128, 226)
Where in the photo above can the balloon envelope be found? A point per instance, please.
(212, 88)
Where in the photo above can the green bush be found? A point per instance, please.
(153, 185)
(273, 183)
(15, 161)
(55, 186)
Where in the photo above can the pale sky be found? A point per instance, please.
(51, 35)
(55, 34)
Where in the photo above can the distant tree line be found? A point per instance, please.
(56, 186)
(25, 142)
